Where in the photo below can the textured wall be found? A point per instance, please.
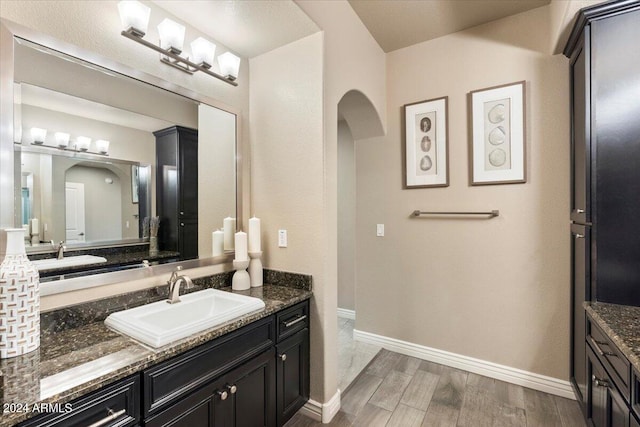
(287, 169)
(346, 218)
(498, 289)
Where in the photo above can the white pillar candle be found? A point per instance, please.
(218, 243)
(35, 226)
(254, 234)
(229, 228)
(241, 246)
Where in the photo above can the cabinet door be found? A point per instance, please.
(251, 388)
(580, 243)
(580, 136)
(187, 239)
(293, 375)
(195, 410)
(188, 174)
(605, 405)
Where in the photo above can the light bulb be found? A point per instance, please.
(102, 146)
(62, 139)
(134, 16)
(171, 35)
(229, 65)
(83, 143)
(203, 52)
(38, 135)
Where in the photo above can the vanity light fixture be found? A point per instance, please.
(38, 135)
(83, 143)
(102, 146)
(62, 139)
(135, 20)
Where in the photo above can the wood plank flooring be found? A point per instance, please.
(398, 390)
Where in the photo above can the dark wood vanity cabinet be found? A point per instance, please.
(256, 376)
(605, 405)
(605, 180)
(177, 190)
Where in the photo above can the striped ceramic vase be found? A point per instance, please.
(19, 299)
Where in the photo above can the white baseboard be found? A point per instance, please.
(482, 367)
(346, 313)
(322, 412)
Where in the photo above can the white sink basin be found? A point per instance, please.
(72, 261)
(161, 323)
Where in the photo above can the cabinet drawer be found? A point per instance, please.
(114, 405)
(292, 320)
(635, 393)
(614, 361)
(177, 377)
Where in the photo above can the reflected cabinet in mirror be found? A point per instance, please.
(92, 163)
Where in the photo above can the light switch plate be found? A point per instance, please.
(282, 238)
(380, 230)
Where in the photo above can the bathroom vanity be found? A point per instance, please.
(252, 371)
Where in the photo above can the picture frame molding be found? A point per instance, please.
(472, 151)
(405, 144)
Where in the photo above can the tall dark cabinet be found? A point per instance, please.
(604, 52)
(177, 190)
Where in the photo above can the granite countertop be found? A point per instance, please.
(112, 259)
(81, 354)
(621, 323)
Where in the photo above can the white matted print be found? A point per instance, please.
(497, 135)
(426, 144)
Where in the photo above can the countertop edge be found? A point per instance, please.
(617, 339)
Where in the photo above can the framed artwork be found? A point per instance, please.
(497, 141)
(134, 183)
(426, 144)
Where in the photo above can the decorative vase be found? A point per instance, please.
(153, 245)
(19, 299)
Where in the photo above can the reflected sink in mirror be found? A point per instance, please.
(160, 323)
(72, 261)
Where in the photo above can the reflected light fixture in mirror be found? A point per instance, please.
(102, 146)
(83, 143)
(38, 135)
(62, 139)
(135, 20)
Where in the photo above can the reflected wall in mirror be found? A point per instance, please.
(65, 94)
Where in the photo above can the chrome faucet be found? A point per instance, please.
(60, 248)
(174, 285)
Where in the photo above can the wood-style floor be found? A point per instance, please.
(397, 390)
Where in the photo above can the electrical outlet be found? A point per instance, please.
(380, 230)
(282, 238)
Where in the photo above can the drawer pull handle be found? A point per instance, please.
(599, 382)
(112, 416)
(222, 394)
(579, 236)
(232, 389)
(283, 357)
(601, 352)
(580, 211)
(290, 323)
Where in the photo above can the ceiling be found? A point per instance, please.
(400, 23)
(249, 27)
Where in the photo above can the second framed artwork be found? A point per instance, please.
(426, 144)
(497, 137)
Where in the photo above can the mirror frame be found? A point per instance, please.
(9, 31)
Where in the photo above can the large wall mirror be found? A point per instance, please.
(92, 196)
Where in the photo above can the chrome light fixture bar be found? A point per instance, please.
(135, 18)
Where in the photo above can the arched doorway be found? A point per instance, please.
(358, 121)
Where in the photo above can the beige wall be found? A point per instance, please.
(286, 168)
(346, 218)
(352, 60)
(498, 289)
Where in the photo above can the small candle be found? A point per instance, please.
(218, 243)
(254, 234)
(241, 246)
(229, 228)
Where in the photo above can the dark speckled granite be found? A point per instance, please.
(78, 354)
(292, 280)
(621, 323)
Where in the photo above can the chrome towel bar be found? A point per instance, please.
(491, 214)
